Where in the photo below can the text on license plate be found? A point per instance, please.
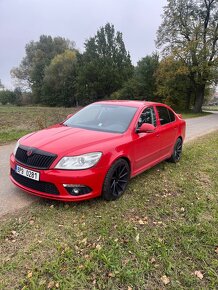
(27, 173)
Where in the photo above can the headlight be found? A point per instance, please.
(15, 148)
(79, 162)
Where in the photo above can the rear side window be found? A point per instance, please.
(163, 115)
(172, 115)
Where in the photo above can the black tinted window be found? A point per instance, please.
(147, 116)
(172, 116)
(163, 115)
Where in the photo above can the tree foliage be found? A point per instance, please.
(59, 83)
(189, 32)
(1, 85)
(7, 97)
(105, 64)
(173, 83)
(145, 74)
(39, 54)
(142, 85)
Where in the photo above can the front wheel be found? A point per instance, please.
(177, 151)
(116, 180)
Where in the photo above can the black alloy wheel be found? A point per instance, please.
(116, 180)
(177, 152)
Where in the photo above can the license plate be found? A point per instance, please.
(27, 173)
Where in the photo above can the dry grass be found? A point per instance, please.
(18, 121)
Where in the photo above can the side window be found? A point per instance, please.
(163, 115)
(147, 116)
(172, 115)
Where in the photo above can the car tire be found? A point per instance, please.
(177, 151)
(116, 180)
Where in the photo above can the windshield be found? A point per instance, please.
(103, 117)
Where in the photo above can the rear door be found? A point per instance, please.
(167, 130)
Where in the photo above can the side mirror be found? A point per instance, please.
(146, 128)
(70, 115)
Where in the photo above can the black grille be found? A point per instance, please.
(41, 186)
(36, 159)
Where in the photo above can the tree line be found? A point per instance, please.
(53, 72)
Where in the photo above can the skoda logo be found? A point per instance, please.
(29, 153)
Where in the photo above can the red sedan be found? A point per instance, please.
(97, 150)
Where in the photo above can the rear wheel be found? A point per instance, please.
(177, 151)
(116, 180)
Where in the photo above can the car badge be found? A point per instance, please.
(29, 153)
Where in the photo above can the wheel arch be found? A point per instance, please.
(180, 137)
(126, 158)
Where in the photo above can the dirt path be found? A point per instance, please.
(12, 198)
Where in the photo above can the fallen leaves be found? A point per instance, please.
(14, 233)
(165, 279)
(137, 238)
(111, 275)
(143, 220)
(199, 274)
(29, 275)
(98, 247)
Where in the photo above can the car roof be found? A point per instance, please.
(130, 103)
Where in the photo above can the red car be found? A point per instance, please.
(97, 150)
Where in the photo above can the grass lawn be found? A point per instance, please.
(18, 121)
(161, 233)
(190, 114)
(210, 108)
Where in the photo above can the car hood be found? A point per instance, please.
(64, 140)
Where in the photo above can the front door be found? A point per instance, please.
(146, 148)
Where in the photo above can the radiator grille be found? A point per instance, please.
(35, 158)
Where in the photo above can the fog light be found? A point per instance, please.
(77, 189)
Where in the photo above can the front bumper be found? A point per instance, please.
(92, 178)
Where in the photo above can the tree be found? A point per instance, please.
(173, 84)
(59, 83)
(189, 32)
(142, 85)
(1, 85)
(105, 64)
(145, 74)
(18, 96)
(38, 56)
(7, 97)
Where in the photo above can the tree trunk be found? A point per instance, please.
(188, 99)
(199, 100)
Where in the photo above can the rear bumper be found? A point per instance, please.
(92, 178)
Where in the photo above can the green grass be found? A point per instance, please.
(210, 108)
(165, 224)
(18, 121)
(190, 114)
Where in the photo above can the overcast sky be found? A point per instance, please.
(24, 20)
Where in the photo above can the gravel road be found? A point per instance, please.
(13, 199)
